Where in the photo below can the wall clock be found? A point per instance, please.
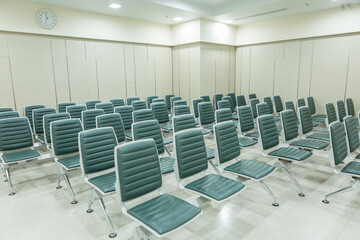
(46, 18)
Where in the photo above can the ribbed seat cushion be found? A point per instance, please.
(253, 134)
(357, 156)
(70, 162)
(128, 135)
(250, 168)
(167, 141)
(41, 138)
(197, 122)
(166, 127)
(320, 136)
(276, 118)
(164, 213)
(216, 186)
(20, 156)
(291, 153)
(310, 144)
(167, 164)
(105, 182)
(205, 131)
(210, 153)
(246, 142)
(352, 168)
(209, 127)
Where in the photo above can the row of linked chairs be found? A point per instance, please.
(112, 165)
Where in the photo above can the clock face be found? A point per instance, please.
(46, 18)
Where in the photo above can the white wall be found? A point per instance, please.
(43, 69)
(188, 32)
(219, 33)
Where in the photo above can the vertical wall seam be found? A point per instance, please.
(134, 70)
(11, 73)
(298, 82)
(311, 66)
(126, 92)
(249, 70)
(347, 70)
(67, 69)
(53, 70)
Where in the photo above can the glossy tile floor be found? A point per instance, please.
(39, 211)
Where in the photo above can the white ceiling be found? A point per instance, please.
(163, 11)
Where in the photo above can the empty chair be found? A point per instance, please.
(300, 102)
(191, 159)
(129, 100)
(233, 98)
(330, 114)
(289, 105)
(160, 112)
(172, 100)
(28, 110)
(227, 149)
(291, 133)
(253, 102)
(112, 120)
(75, 111)
(159, 215)
(107, 107)
(65, 148)
(138, 105)
(126, 117)
(4, 115)
(156, 100)
(269, 141)
(227, 98)
(226, 104)
(38, 121)
(48, 119)
(350, 107)
(195, 103)
(143, 115)
(278, 104)
(206, 115)
(352, 136)
(217, 97)
(270, 104)
(338, 155)
(179, 103)
(263, 109)
(62, 106)
(167, 100)
(16, 145)
(117, 102)
(149, 100)
(341, 110)
(205, 98)
(252, 96)
(151, 130)
(246, 125)
(90, 104)
(306, 126)
(89, 118)
(240, 100)
(6, 109)
(181, 110)
(320, 118)
(96, 148)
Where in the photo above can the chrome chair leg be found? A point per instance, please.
(59, 181)
(103, 208)
(8, 178)
(345, 189)
(215, 168)
(93, 197)
(263, 184)
(66, 178)
(281, 165)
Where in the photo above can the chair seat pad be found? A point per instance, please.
(276, 118)
(278, 128)
(205, 131)
(70, 162)
(315, 124)
(352, 168)
(246, 142)
(310, 144)
(253, 134)
(210, 153)
(164, 213)
(209, 127)
(167, 164)
(252, 169)
(105, 183)
(197, 122)
(291, 153)
(358, 156)
(235, 116)
(320, 136)
(167, 141)
(215, 186)
(20, 156)
(166, 127)
(319, 116)
(128, 135)
(41, 138)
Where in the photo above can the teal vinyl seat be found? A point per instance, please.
(48, 118)
(278, 104)
(172, 100)
(246, 124)
(206, 115)
(167, 100)
(306, 126)
(160, 112)
(157, 100)
(38, 122)
(129, 100)
(89, 118)
(226, 104)
(180, 103)
(75, 111)
(6, 109)
(4, 115)
(149, 100)
(117, 102)
(143, 115)
(233, 98)
(319, 118)
(252, 96)
(300, 102)
(195, 104)
(16, 145)
(65, 148)
(90, 104)
(338, 159)
(240, 100)
(228, 98)
(350, 109)
(191, 159)
(352, 135)
(127, 118)
(138, 105)
(228, 149)
(205, 98)
(289, 105)
(28, 111)
(217, 97)
(341, 110)
(107, 107)
(290, 133)
(330, 114)
(263, 109)
(62, 106)
(159, 215)
(151, 130)
(181, 110)
(112, 120)
(268, 140)
(270, 104)
(96, 148)
(253, 102)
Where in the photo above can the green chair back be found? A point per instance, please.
(137, 169)
(227, 98)
(300, 102)
(195, 103)
(252, 96)
(149, 129)
(217, 97)
(15, 133)
(38, 118)
(267, 132)
(240, 100)
(4, 115)
(183, 122)
(339, 149)
(262, 108)
(6, 109)
(160, 112)
(223, 104)
(48, 118)
(157, 100)
(223, 115)
(75, 111)
(62, 106)
(90, 104)
(269, 102)
(179, 103)
(226, 142)
(143, 115)
(149, 100)
(311, 105)
(341, 109)
(289, 125)
(305, 120)
(246, 120)
(205, 98)
(89, 118)
(126, 115)
(167, 100)
(108, 107)
(233, 99)
(181, 110)
(138, 105)
(173, 99)
(96, 148)
(352, 133)
(278, 104)
(129, 100)
(64, 136)
(206, 113)
(190, 153)
(112, 120)
(330, 113)
(289, 105)
(117, 102)
(253, 103)
(350, 107)
(28, 110)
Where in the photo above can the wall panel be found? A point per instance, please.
(6, 90)
(163, 70)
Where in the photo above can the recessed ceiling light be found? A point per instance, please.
(178, 18)
(228, 21)
(114, 5)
